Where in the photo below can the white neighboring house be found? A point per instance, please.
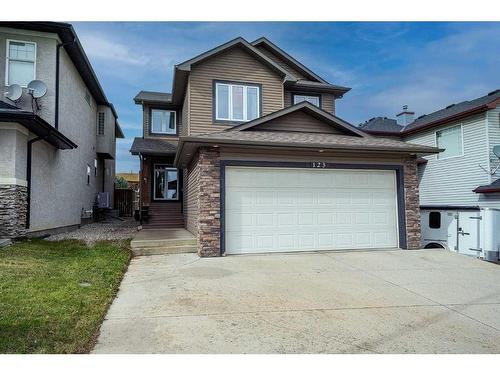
(456, 184)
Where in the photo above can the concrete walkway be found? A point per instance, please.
(427, 301)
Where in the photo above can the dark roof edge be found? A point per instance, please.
(40, 127)
(457, 116)
(297, 64)
(67, 34)
(186, 65)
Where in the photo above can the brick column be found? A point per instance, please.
(209, 202)
(13, 207)
(412, 204)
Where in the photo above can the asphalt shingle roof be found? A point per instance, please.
(153, 96)
(381, 124)
(384, 124)
(153, 146)
(312, 140)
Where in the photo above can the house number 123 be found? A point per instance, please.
(319, 164)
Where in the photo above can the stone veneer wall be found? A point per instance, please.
(12, 210)
(412, 204)
(209, 202)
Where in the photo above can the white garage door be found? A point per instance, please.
(284, 209)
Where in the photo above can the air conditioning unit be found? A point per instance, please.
(103, 200)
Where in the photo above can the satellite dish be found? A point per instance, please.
(14, 92)
(37, 88)
(496, 151)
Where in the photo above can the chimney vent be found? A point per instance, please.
(405, 117)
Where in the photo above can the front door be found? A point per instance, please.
(468, 232)
(166, 183)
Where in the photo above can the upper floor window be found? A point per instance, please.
(236, 102)
(163, 122)
(100, 123)
(313, 99)
(21, 60)
(451, 140)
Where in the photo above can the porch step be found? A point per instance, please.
(163, 241)
(141, 251)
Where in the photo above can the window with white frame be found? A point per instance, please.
(451, 140)
(88, 174)
(313, 99)
(163, 122)
(21, 60)
(236, 102)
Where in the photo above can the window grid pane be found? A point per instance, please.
(21, 63)
(236, 102)
(313, 99)
(163, 122)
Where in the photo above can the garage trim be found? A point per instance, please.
(306, 165)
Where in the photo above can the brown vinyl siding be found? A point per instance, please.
(184, 130)
(191, 190)
(234, 65)
(327, 101)
(297, 122)
(281, 62)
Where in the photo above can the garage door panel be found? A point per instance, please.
(305, 209)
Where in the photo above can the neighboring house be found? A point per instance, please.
(247, 154)
(56, 152)
(466, 173)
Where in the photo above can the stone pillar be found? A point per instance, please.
(13, 208)
(209, 202)
(412, 204)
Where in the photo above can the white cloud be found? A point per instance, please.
(100, 47)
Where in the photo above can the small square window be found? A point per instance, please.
(450, 139)
(435, 220)
(163, 122)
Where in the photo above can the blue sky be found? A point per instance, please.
(424, 65)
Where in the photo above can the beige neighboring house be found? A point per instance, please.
(57, 151)
(246, 153)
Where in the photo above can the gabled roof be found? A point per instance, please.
(381, 125)
(263, 41)
(308, 108)
(442, 116)
(237, 42)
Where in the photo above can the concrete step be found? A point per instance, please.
(136, 244)
(141, 251)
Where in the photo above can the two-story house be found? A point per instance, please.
(460, 186)
(246, 153)
(57, 130)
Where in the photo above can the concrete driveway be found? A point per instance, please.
(425, 301)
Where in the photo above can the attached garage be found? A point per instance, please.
(287, 209)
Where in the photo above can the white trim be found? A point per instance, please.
(7, 58)
(164, 110)
(462, 140)
(154, 182)
(13, 181)
(230, 99)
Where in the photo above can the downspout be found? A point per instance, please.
(28, 179)
(58, 55)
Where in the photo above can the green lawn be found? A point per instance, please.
(54, 295)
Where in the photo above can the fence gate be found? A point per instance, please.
(124, 201)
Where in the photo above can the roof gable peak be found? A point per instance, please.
(325, 122)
